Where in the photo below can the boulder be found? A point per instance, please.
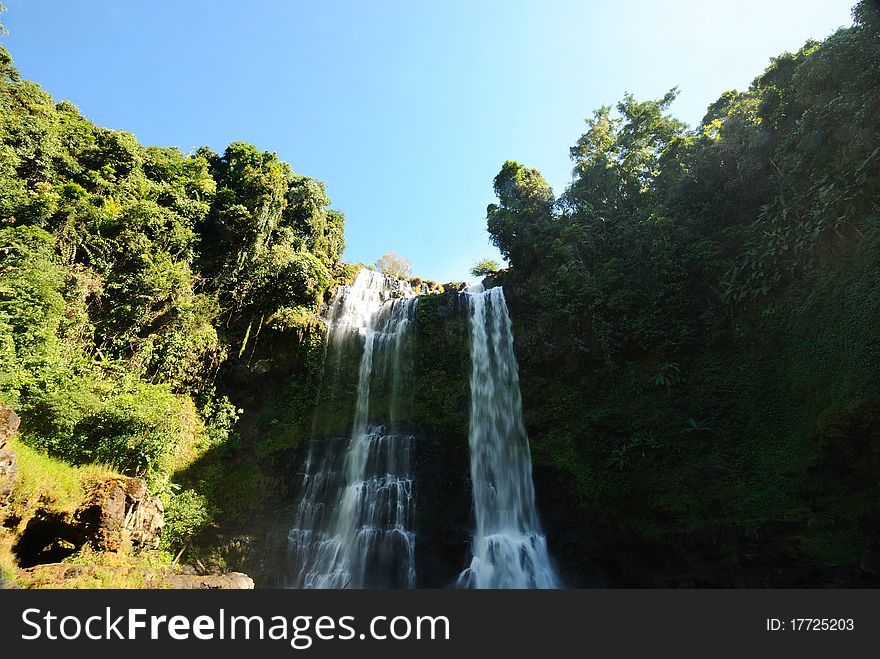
(9, 423)
(224, 581)
(119, 513)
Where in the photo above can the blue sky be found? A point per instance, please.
(406, 110)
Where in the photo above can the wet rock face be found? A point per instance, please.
(9, 423)
(119, 514)
(444, 516)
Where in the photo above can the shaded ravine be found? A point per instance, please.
(353, 522)
(509, 549)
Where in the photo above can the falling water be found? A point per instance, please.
(353, 525)
(509, 549)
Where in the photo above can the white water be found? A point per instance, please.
(509, 549)
(353, 526)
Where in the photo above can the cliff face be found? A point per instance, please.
(750, 462)
(440, 404)
(288, 398)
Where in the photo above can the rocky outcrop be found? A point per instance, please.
(225, 581)
(119, 514)
(63, 575)
(116, 515)
(9, 423)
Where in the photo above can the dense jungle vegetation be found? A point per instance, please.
(697, 319)
(130, 275)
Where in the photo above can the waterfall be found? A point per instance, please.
(353, 524)
(508, 548)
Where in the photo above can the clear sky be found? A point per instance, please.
(406, 109)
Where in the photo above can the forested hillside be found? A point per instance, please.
(131, 276)
(698, 320)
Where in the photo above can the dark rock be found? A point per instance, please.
(444, 516)
(578, 550)
(870, 562)
(870, 520)
(47, 538)
(8, 468)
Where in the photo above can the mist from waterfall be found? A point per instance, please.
(509, 549)
(354, 519)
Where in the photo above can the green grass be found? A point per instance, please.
(104, 570)
(8, 570)
(42, 482)
(51, 483)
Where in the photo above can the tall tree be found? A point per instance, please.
(523, 213)
(392, 265)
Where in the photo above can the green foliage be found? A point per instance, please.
(523, 214)
(696, 315)
(137, 427)
(130, 279)
(43, 480)
(694, 328)
(392, 265)
(439, 392)
(31, 308)
(220, 417)
(619, 158)
(186, 514)
(866, 13)
(485, 267)
(269, 244)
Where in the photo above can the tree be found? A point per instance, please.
(866, 12)
(517, 223)
(485, 267)
(619, 157)
(392, 265)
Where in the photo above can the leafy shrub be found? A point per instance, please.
(186, 513)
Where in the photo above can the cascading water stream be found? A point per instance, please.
(353, 525)
(509, 548)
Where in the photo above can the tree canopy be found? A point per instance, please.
(131, 275)
(392, 265)
(485, 267)
(703, 301)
